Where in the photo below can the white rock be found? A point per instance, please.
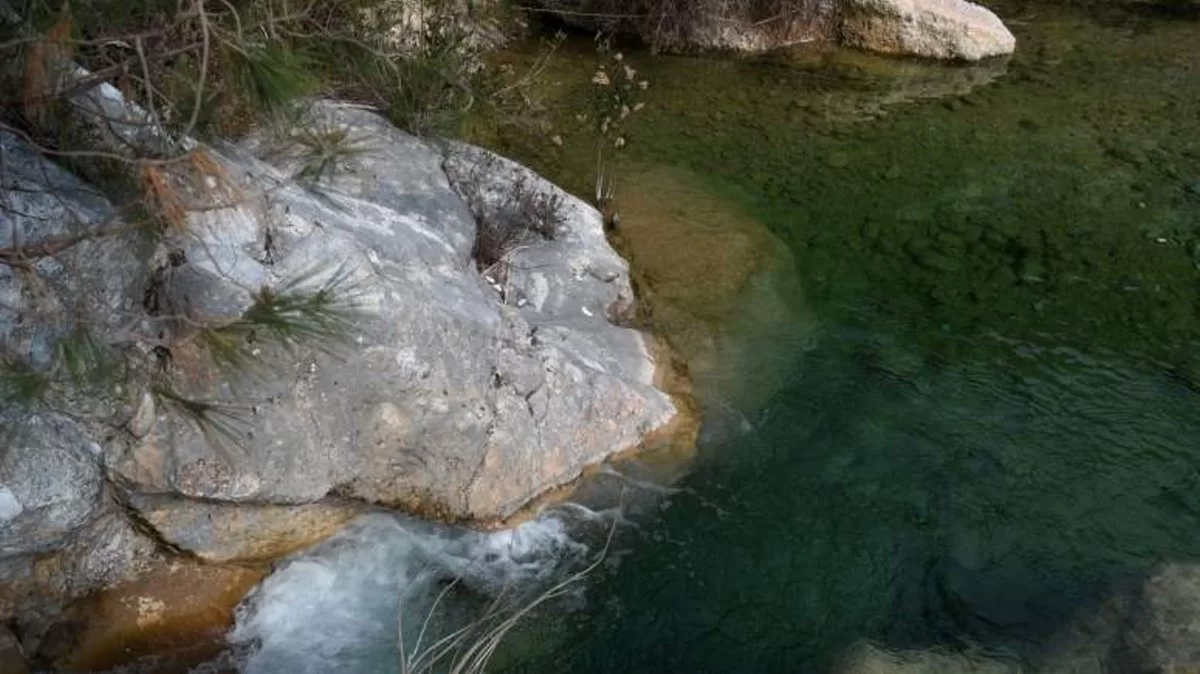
(10, 507)
(943, 29)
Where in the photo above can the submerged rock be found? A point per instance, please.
(1164, 630)
(1153, 626)
(869, 659)
(12, 655)
(174, 616)
(942, 29)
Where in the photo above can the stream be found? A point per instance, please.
(942, 321)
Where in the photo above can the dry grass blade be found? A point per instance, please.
(469, 649)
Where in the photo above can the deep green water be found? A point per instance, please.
(993, 421)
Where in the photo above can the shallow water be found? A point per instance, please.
(991, 423)
(943, 323)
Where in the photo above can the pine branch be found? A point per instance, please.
(21, 256)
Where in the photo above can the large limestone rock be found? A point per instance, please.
(942, 29)
(455, 393)
(458, 395)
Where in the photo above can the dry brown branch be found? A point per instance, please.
(22, 255)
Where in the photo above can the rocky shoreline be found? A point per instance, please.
(463, 394)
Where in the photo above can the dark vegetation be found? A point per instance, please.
(194, 69)
(671, 24)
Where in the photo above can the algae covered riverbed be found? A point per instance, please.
(943, 322)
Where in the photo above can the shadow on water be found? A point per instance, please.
(989, 427)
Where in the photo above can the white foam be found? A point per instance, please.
(337, 607)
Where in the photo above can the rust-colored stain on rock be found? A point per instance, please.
(169, 621)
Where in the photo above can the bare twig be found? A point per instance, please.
(205, 39)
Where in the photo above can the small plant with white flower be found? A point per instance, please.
(616, 92)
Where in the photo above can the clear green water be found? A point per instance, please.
(993, 421)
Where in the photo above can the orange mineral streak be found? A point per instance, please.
(166, 622)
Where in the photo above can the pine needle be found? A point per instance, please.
(222, 425)
(291, 316)
(273, 75)
(21, 384)
(85, 358)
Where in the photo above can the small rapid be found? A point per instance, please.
(343, 605)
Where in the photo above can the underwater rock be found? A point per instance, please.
(871, 659)
(1164, 628)
(1150, 627)
(943, 29)
(12, 656)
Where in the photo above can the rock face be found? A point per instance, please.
(229, 532)
(458, 396)
(12, 656)
(95, 282)
(51, 483)
(942, 29)
(453, 391)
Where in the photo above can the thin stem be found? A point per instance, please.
(205, 47)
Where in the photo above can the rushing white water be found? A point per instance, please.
(338, 606)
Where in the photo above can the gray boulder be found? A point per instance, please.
(95, 282)
(232, 532)
(456, 392)
(454, 396)
(941, 29)
(1153, 626)
(50, 483)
